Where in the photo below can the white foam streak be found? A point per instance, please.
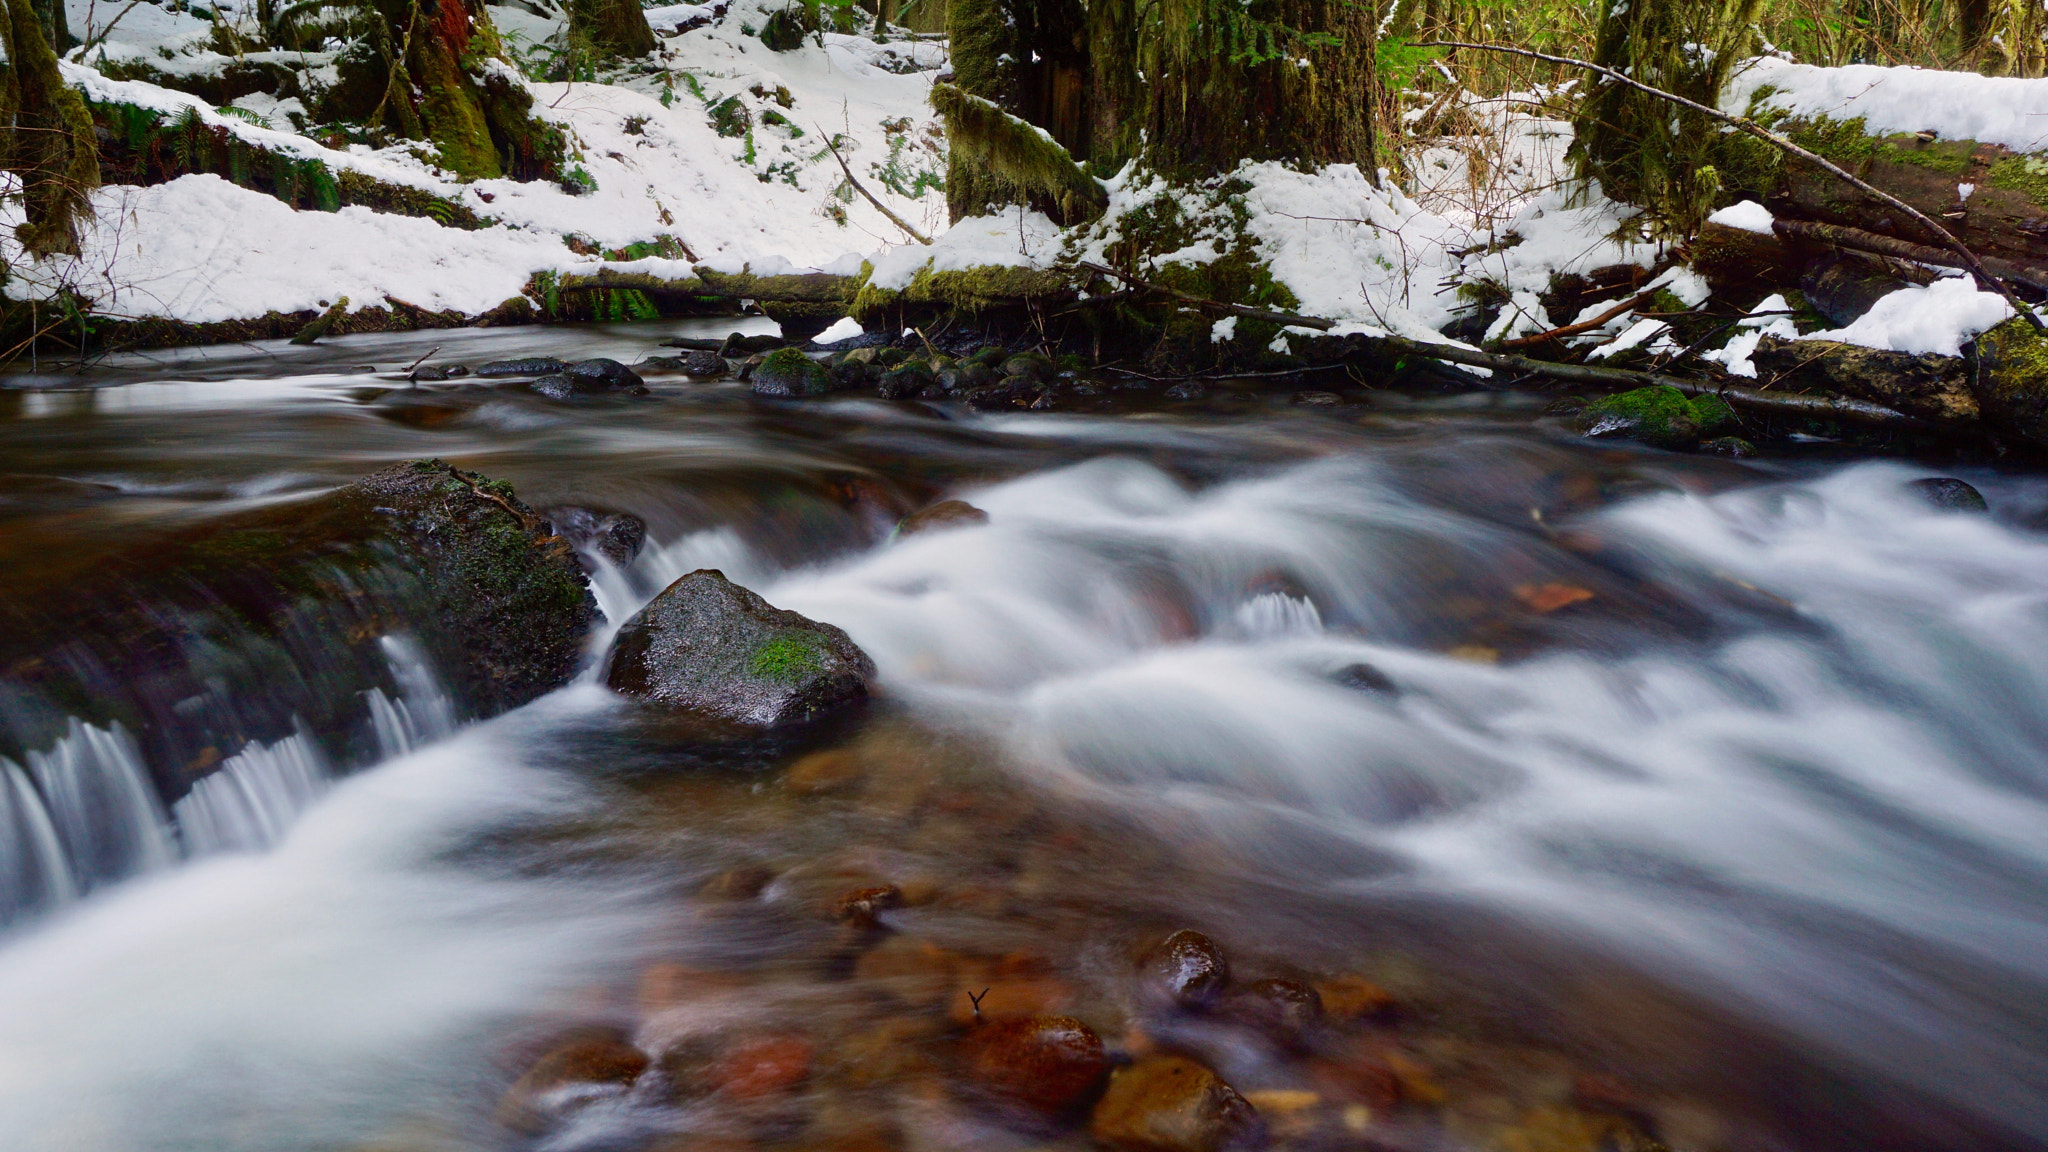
(247, 803)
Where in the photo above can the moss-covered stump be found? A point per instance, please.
(201, 639)
(711, 650)
(1661, 417)
(2012, 380)
(1927, 386)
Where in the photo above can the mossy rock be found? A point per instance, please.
(270, 622)
(711, 650)
(786, 29)
(962, 292)
(788, 372)
(1661, 417)
(2012, 379)
(907, 380)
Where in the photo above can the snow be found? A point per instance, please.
(1223, 331)
(1015, 238)
(197, 251)
(1636, 334)
(1957, 105)
(844, 328)
(1747, 215)
(1939, 318)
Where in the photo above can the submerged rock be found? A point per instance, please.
(1949, 493)
(1049, 1065)
(1189, 969)
(708, 647)
(616, 536)
(704, 365)
(602, 374)
(590, 1065)
(1171, 1104)
(944, 514)
(788, 372)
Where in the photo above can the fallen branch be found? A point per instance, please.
(321, 323)
(1284, 319)
(898, 221)
(1630, 304)
(1752, 128)
(1855, 239)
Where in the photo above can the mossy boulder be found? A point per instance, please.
(2012, 379)
(712, 650)
(1662, 417)
(788, 372)
(266, 623)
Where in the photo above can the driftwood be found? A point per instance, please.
(1752, 128)
(1633, 302)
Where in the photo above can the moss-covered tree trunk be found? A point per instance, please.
(49, 137)
(433, 94)
(56, 28)
(1291, 80)
(614, 29)
(1648, 151)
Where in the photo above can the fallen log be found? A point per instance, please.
(1855, 239)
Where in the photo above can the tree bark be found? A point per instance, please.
(49, 138)
(616, 29)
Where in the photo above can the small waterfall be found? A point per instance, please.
(247, 805)
(33, 871)
(422, 714)
(102, 805)
(1276, 615)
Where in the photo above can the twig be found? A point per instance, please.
(1752, 128)
(977, 1001)
(1633, 302)
(1284, 319)
(898, 221)
(94, 40)
(414, 366)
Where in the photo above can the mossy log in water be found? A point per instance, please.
(201, 638)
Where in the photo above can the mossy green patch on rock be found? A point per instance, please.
(788, 372)
(2026, 175)
(1663, 417)
(786, 658)
(2012, 379)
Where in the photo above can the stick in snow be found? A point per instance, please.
(898, 221)
(1752, 128)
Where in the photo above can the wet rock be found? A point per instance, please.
(1366, 678)
(1661, 417)
(944, 514)
(1047, 1065)
(849, 373)
(905, 380)
(1171, 1104)
(1317, 399)
(696, 343)
(863, 906)
(1029, 366)
(738, 883)
(710, 648)
(1733, 447)
(827, 771)
(554, 386)
(428, 374)
(1189, 968)
(1948, 493)
(596, 1063)
(1287, 1011)
(993, 398)
(760, 1068)
(1187, 390)
(738, 346)
(788, 372)
(529, 366)
(455, 371)
(602, 374)
(1354, 998)
(704, 365)
(616, 536)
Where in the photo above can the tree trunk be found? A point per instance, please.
(1229, 91)
(616, 29)
(56, 29)
(49, 141)
(432, 97)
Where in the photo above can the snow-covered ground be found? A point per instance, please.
(1490, 206)
(200, 248)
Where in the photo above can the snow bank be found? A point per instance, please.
(1958, 105)
(1014, 239)
(201, 249)
(1939, 318)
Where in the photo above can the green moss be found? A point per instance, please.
(2026, 175)
(1027, 160)
(730, 117)
(1663, 417)
(786, 658)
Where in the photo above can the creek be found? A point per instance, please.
(1723, 781)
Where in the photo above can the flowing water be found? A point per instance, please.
(1723, 786)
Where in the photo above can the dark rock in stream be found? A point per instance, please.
(602, 374)
(616, 536)
(530, 366)
(788, 372)
(1047, 1065)
(1172, 1104)
(1948, 493)
(704, 364)
(944, 514)
(272, 622)
(1189, 969)
(709, 648)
